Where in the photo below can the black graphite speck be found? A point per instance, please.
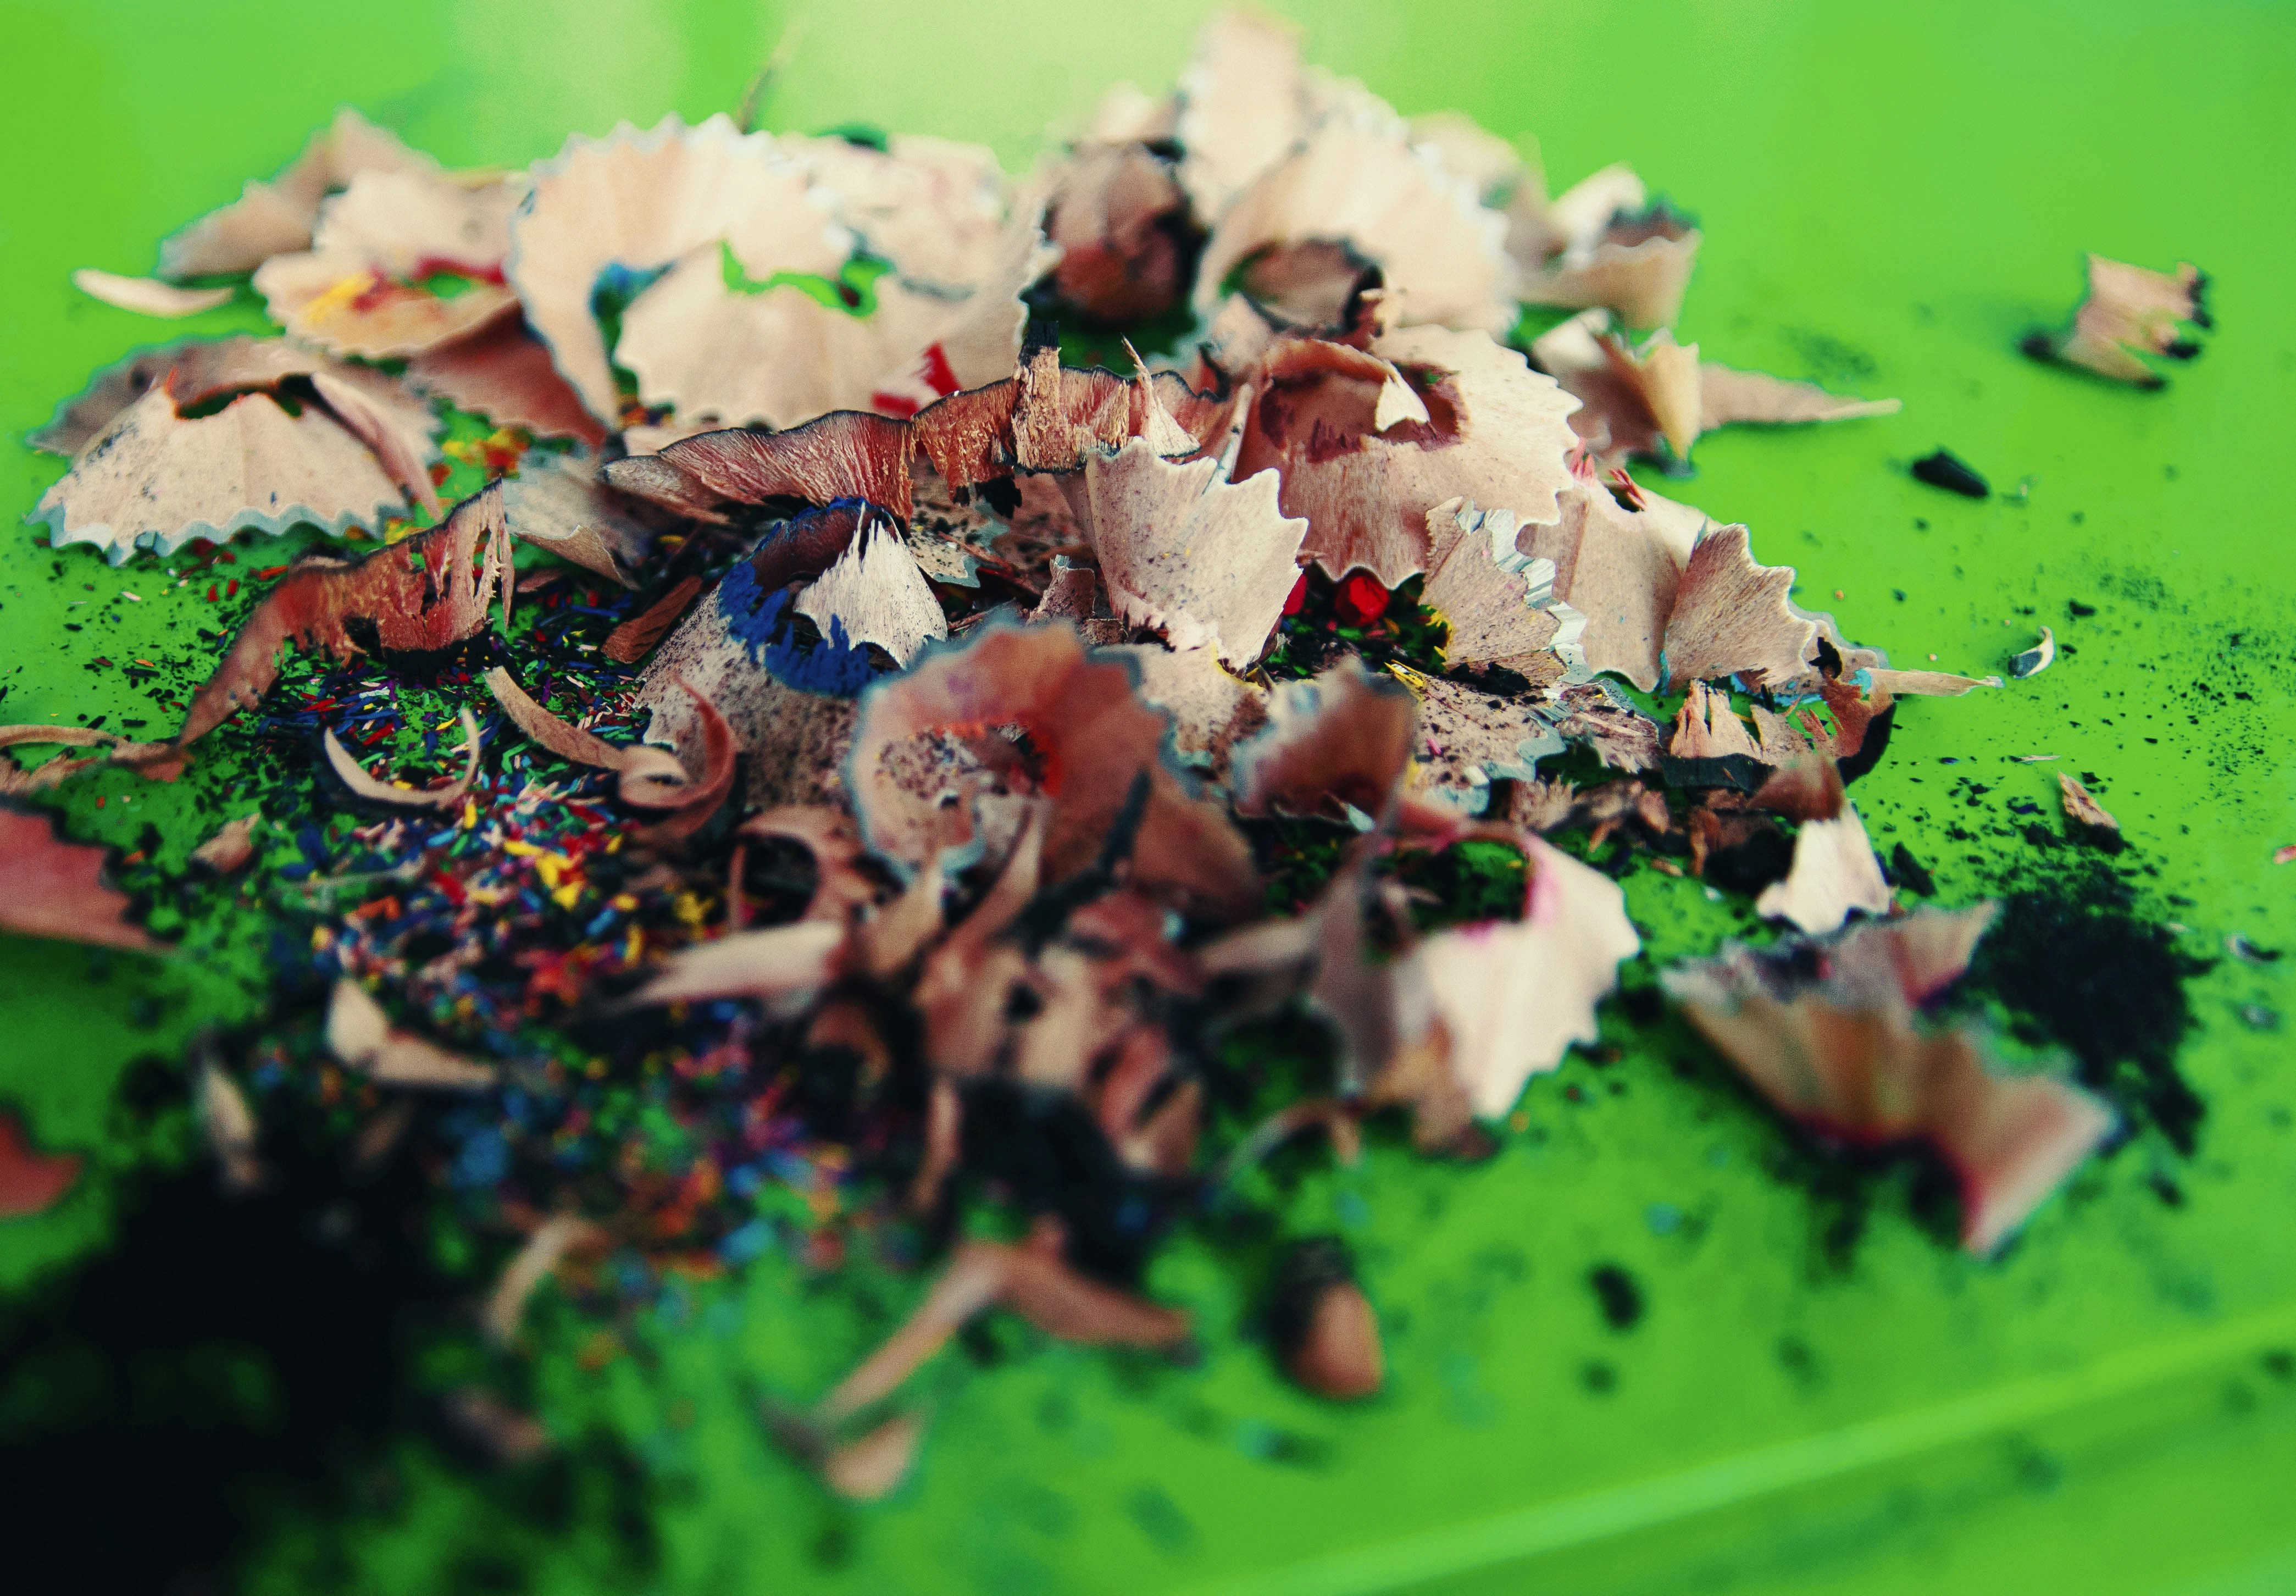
(1620, 1295)
(1946, 470)
(1909, 872)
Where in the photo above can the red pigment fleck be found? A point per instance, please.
(433, 266)
(933, 370)
(1361, 599)
(1299, 596)
(938, 374)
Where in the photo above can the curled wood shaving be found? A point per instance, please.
(557, 503)
(445, 796)
(417, 596)
(53, 888)
(1727, 397)
(148, 296)
(2082, 809)
(1731, 617)
(1599, 245)
(1119, 221)
(153, 480)
(2127, 312)
(840, 886)
(1499, 602)
(360, 1034)
(778, 963)
(231, 847)
(1636, 400)
(1360, 183)
(552, 1240)
(355, 292)
(638, 201)
(650, 778)
(271, 218)
(635, 639)
(875, 593)
(1187, 552)
(1244, 99)
(1030, 1281)
(1833, 872)
(2035, 659)
(228, 1124)
(1508, 998)
(1341, 741)
(1085, 722)
(157, 761)
(401, 447)
(1467, 739)
(503, 372)
(872, 1467)
(30, 1182)
(1829, 1030)
(708, 790)
(1497, 433)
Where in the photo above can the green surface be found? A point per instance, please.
(1892, 197)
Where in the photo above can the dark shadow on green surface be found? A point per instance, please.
(230, 1360)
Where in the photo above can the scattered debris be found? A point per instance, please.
(914, 758)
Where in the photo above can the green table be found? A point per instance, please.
(1892, 197)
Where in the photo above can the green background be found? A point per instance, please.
(1892, 197)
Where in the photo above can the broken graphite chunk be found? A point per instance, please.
(1948, 471)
